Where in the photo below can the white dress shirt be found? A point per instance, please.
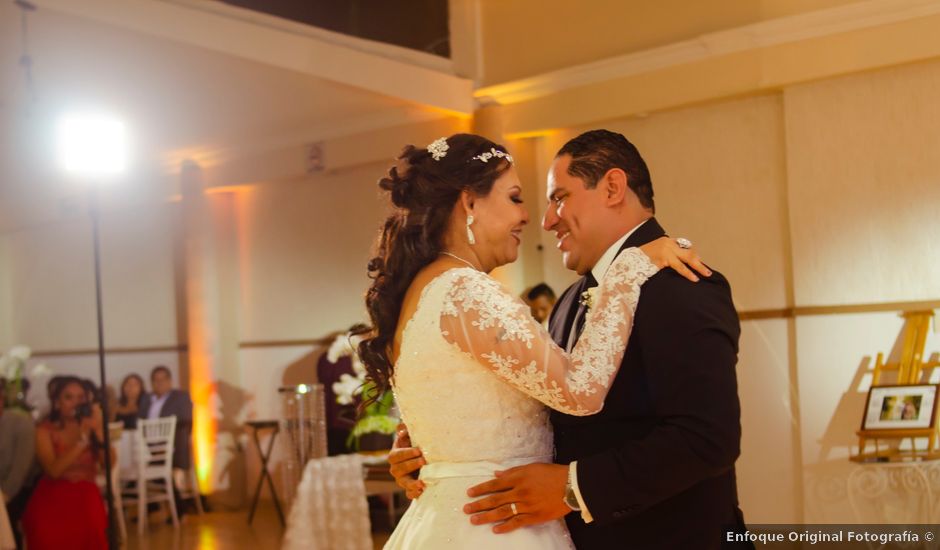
(156, 404)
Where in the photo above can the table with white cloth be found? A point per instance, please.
(895, 492)
(125, 447)
(330, 511)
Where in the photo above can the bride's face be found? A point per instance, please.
(498, 221)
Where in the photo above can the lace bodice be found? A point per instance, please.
(475, 369)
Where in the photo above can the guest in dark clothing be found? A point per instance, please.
(17, 453)
(166, 401)
(129, 404)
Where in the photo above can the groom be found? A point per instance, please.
(655, 468)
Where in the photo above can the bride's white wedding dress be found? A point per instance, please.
(473, 377)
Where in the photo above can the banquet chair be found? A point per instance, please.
(153, 476)
(187, 484)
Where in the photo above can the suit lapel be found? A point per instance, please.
(559, 325)
(562, 320)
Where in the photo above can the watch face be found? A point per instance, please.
(571, 500)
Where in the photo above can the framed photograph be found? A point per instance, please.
(903, 407)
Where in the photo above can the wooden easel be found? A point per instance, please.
(910, 368)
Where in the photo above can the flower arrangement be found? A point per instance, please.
(588, 297)
(13, 369)
(378, 417)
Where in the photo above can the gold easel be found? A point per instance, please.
(910, 368)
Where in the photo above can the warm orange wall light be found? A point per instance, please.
(204, 339)
(202, 389)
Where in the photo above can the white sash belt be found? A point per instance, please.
(482, 468)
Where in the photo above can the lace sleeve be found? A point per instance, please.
(482, 319)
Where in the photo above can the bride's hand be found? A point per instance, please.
(666, 252)
(404, 463)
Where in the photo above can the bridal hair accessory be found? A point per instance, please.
(438, 148)
(684, 243)
(470, 237)
(587, 297)
(493, 153)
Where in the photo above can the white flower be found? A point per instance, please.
(9, 367)
(588, 297)
(21, 352)
(347, 387)
(339, 348)
(347, 345)
(358, 366)
(438, 148)
(40, 371)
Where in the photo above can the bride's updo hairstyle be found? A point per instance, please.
(423, 187)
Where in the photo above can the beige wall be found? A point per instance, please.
(312, 237)
(864, 187)
(6, 295)
(522, 38)
(52, 281)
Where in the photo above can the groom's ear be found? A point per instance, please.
(614, 186)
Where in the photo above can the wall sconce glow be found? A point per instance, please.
(92, 144)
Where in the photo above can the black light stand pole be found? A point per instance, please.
(112, 534)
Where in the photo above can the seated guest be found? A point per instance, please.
(129, 403)
(66, 509)
(541, 300)
(17, 450)
(166, 401)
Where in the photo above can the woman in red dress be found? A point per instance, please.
(66, 509)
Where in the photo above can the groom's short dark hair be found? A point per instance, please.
(595, 153)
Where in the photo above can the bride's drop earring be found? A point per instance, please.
(470, 237)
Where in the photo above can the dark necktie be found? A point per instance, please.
(578, 325)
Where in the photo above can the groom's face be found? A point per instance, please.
(574, 213)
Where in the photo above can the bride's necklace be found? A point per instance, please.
(456, 257)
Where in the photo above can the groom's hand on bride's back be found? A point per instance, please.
(404, 463)
(538, 491)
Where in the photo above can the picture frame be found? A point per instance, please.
(901, 407)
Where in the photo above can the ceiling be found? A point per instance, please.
(175, 99)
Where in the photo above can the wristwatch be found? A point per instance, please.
(570, 498)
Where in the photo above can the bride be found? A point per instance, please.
(472, 371)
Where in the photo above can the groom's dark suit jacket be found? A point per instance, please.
(656, 466)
